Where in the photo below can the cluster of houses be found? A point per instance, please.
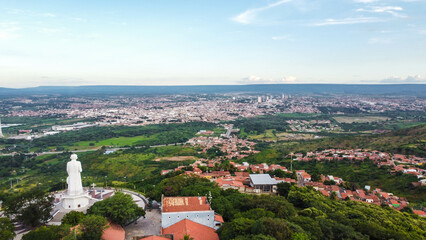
(376, 196)
(261, 182)
(312, 125)
(232, 146)
(398, 162)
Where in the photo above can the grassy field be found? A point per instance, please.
(175, 158)
(134, 164)
(119, 141)
(361, 119)
(269, 136)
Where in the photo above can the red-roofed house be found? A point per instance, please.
(195, 230)
(420, 213)
(325, 193)
(385, 195)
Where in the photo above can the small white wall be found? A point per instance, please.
(75, 203)
(202, 217)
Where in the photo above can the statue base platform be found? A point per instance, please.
(75, 202)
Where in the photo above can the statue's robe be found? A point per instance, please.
(74, 178)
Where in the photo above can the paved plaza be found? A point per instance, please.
(150, 225)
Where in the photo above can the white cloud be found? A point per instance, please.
(409, 79)
(48, 15)
(79, 19)
(393, 10)
(346, 21)
(9, 30)
(379, 41)
(259, 80)
(48, 30)
(365, 1)
(249, 15)
(284, 37)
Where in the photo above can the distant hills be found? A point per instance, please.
(377, 89)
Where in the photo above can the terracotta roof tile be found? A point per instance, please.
(155, 238)
(195, 230)
(114, 232)
(218, 218)
(185, 204)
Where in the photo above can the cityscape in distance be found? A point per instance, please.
(212, 120)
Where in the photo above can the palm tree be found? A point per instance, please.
(187, 237)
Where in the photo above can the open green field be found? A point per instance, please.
(269, 136)
(360, 119)
(118, 141)
(50, 170)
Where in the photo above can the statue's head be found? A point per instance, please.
(74, 157)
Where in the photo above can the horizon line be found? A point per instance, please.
(212, 85)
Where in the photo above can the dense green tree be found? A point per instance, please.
(283, 188)
(278, 228)
(255, 213)
(93, 226)
(120, 209)
(255, 237)
(48, 233)
(7, 229)
(32, 208)
(72, 218)
(239, 226)
(278, 205)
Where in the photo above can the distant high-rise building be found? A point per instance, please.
(1, 133)
(259, 99)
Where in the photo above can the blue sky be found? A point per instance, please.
(171, 42)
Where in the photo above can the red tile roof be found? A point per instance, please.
(195, 230)
(114, 232)
(185, 204)
(155, 238)
(420, 213)
(385, 195)
(218, 218)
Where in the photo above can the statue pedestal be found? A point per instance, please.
(75, 202)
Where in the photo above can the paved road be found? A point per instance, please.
(87, 150)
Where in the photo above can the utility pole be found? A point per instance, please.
(11, 183)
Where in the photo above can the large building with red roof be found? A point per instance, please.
(196, 209)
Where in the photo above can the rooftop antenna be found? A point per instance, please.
(210, 197)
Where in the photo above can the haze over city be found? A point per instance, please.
(211, 42)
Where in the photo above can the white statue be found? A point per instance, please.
(74, 178)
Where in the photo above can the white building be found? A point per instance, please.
(1, 133)
(196, 209)
(263, 183)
